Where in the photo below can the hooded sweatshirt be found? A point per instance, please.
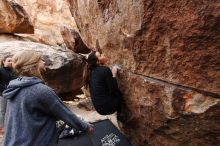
(33, 109)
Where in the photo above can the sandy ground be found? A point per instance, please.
(89, 116)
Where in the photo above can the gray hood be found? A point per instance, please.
(19, 83)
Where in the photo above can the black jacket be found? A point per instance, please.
(103, 87)
(6, 75)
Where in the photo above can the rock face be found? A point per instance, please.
(170, 53)
(73, 40)
(160, 114)
(14, 19)
(168, 40)
(63, 67)
(48, 18)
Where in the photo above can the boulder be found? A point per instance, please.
(14, 19)
(177, 42)
(48, 18)
(169, 51)
(10, 37)
(64, 68)
(158, 113)
(73, 40)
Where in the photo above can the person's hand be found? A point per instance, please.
(90, 129)
(114, 71)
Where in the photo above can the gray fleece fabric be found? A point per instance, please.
(32, 111)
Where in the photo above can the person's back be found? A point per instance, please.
(98, 86)
(28, 120)
(103, 86)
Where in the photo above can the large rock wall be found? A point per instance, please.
(158, 113)
(168, 40)
(169, 52)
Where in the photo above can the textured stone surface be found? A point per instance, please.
(161, 114)
(73, 40)
(10, 37)
(63, 67)
(168, 40)
(14, 19)
(169, 51)
(48, 17)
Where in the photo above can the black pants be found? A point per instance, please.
(110, 107)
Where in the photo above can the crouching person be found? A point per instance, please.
(33, 107)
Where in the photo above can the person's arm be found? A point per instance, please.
(111, 82)
(56, 107)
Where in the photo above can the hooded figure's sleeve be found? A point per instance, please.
(56, 108)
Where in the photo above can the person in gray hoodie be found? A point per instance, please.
(33, 107)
